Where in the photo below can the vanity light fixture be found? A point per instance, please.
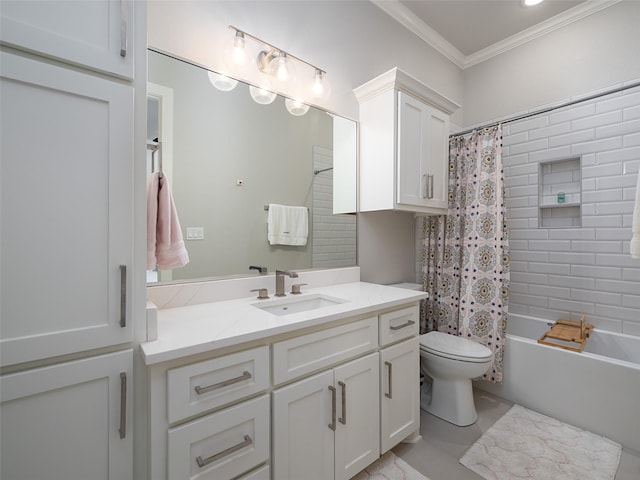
(280, 67)
(296, 107)
(261, 95)
(222, 82)
(530, 3)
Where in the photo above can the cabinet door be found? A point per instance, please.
(64, 421)
(303, 443)
(423, 151)
(66, 210)
(357, 437)
(96, 34)
(399, 392)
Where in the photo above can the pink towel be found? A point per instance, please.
(165, 247)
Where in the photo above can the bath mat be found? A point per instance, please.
(389, 467)
(524, 444)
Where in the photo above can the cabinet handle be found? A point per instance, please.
(332, 425)
(426, 186)
(123, 296)
(343, 418)
(123, 405)
(203, 462)
(430, 185)
(400, 327)
(225, 383)
(390, 380)
(123, 28)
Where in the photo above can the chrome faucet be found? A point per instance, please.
(280, 281)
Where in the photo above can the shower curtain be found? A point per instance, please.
(465, 255)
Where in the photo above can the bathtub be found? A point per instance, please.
(597, 390)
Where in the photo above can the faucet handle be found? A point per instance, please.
(295, 288)
(263, 293)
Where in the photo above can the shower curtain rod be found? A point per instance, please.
(548, 109)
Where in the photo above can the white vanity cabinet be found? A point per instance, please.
(321, 401)
(327, 424)
(96, 34)
(404, 145)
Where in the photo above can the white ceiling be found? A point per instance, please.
(471, 31)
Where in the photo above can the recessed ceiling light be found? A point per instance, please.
(530, 3)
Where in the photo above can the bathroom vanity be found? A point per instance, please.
(246, 389)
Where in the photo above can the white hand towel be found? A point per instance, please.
(635, 224)
(287, 225)
(165, 246)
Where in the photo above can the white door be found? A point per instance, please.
(69, 421)
(66, 202)
(303, 438)
(412, 182)
(399, 392)
(357, 438)
(97, 34)
(436, 161)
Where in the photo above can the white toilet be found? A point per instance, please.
(452, 362)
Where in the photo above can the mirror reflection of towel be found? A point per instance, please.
(165, 246)
(287, 225)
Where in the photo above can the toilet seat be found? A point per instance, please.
(454, 347)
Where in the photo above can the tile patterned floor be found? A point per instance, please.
(438, 454)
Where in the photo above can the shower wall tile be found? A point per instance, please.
(567, 272)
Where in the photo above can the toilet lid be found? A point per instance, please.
(453, 346)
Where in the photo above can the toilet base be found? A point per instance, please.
(450, 400)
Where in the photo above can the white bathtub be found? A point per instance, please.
(597, 390)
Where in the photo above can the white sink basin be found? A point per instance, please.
(290, 305)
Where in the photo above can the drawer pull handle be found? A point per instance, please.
(425, 178)
(332, 425)
(203, 462)
(400, 327)
(123, 405)
(390, 378)
(245, 376)
(430, 185)
(343, 418)
(123, 29)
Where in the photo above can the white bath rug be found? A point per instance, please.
(527, 445)
(389, 467)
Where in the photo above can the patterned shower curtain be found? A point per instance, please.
(465, 255)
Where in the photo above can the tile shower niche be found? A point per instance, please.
(560, 193)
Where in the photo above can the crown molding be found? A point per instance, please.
(543, 28)
(411, 22)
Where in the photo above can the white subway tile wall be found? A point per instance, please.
(334, 236)
(585, 270)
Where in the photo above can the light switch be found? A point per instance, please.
(195, 233)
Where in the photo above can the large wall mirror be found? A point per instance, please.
(227, 157)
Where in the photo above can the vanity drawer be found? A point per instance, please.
(203, 386)
(262, 473)
(399, 324)
(308, 353)
(221, 445)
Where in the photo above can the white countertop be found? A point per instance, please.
(193, 329)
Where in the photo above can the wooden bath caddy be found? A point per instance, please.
(574, 334)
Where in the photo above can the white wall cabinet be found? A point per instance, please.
(327, 424)
(66, 169)
(68, 421)
(404, 145)
(96, 34)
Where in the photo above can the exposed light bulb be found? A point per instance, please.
(261, 95)
(222, 82)
(318, 87)
(296, 107)
(239, 55)
(282, 70)
(530, 3)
